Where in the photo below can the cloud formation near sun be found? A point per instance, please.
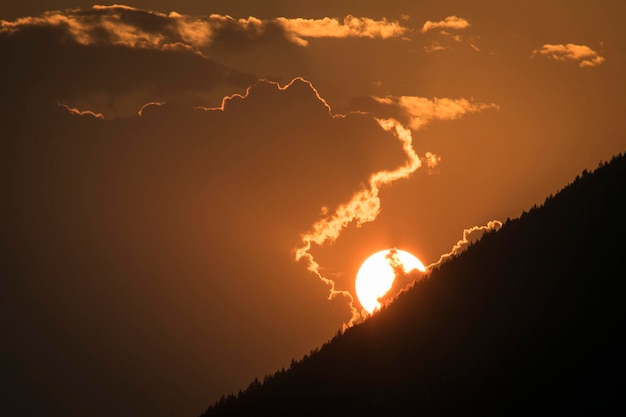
(581, 54)
(365, 204)
(362, 208)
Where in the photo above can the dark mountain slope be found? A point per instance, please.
(526, 321)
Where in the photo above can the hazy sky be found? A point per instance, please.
(185, 184)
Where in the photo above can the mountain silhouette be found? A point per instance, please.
(525, 321)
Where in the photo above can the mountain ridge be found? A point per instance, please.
(527, 319)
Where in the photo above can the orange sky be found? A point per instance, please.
(151, 227)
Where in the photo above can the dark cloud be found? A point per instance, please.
(46, 63)
(129, 26)
(125, 48)
(154, 23)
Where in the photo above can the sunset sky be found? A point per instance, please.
(189, 188)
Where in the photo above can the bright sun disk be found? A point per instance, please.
(376, 275)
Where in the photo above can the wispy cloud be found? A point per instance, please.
(74, 110)
(435, 47)
(450, 22)
(446, 37)
(362, 208)
(582, 54)
(148, 105)
(420, 110)
(454, 37)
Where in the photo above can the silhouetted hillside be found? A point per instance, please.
(525, 322)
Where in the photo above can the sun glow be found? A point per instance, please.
(377, 274)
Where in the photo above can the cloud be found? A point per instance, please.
(450, 22)
(74, 110)
(114, 25)
(582, 54)
(444, 39)
(469, 235)
(148, 105)
(69, 59)
(136, 28)
(431, 160)
(362, 208)
(419, 111)
(456, 38)
(280, 87)
(129, 57)
(350, 27)
(435, 47)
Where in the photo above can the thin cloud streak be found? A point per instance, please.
(74, 110)
(147, 105)
(462, 244)
(363, 207)
(280, 87)
(582, 54)
(435, 47)
(444, 40)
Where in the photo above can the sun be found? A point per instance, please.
(377, 274)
